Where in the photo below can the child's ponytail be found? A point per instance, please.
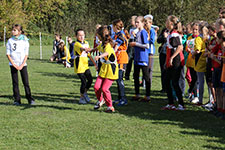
(177, 25)
(103, 32)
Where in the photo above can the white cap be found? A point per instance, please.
(148, 16)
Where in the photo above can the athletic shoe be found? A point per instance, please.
(208, 105)
(169, 107)
(195, 100)
(145, 99)
(110, 110)
(86, 97)
(82, 101)
(116, 101)
(32, 102)
(135, 98)
(17, 103)
(122, 102)
(180, 107)
(99, 104)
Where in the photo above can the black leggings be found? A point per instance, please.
(193, 85)
(15, 83)
(173, 75)
(85, 84)
(145, 72)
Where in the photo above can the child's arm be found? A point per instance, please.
(102, 55)
(91, 50)
(96, 67)
(132, 44)
(11, 61)
(24, 61)
(179, 49)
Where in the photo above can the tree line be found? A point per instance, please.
(65, 16)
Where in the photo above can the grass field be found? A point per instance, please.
(57, 121)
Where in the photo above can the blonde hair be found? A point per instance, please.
(146, 28)
(176, 23)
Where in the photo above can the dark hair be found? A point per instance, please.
(76, 32)
(221, 35)
(212, 27)
(18, 27)
(103, 32)
(56, 34)
(118, 23)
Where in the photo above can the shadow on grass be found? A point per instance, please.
(194, 117)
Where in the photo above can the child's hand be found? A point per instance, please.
(96, 67)
(132, 44)
(171, 61)
(97, 58)
(188, 50)
(20, 67)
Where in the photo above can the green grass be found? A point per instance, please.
(57, 121)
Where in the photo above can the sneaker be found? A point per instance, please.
(195, 100)
(169, 107)
(17, 103)
(86, 97)
(135, 98)
(122, 102)
(180, 107)
(99, 104)
(82, 101)
(208, 105)
(32, 102)
(116, 101)
(145, 99)
(110, 110)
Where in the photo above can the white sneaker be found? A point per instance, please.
(82, 101)
(180, 107)
(195, 100)
(209, 105)
(99, 104)
(169, 107)
(86, 97)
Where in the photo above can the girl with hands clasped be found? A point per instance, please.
(174, 62)
(17, 50)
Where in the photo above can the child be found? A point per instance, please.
(55, 50)
(191, 62)
(108, 71)
(71, 48)
(200, 60)
(174, 62)
(141, 47)
(17, 50)
(81, 65)
(65, 54)
(120, 47)
(151, 39)
(130, 50)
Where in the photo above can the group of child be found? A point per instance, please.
(200, 48)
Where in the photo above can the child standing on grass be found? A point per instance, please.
(174, 62)
(108, 71)
(17, 50)
(81, 65)
(141, 59)
(190, 64)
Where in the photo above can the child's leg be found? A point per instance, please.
(145, 72)
(175, 82)
(97, 87)
(106, 92)
(188, 76)
(201, 81)
(24, 76)
(16, 92)
(83, 83)
(193, 84)
(136, 78)
(120, 83)
(168, 79)
(182, 81)
(150, 66)
(89, 79)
